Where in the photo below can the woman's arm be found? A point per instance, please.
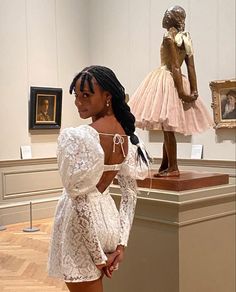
(87, 229)
(127, 206)
(78, 172)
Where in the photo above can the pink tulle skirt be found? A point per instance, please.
(157, 106)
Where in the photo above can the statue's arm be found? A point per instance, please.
(174, 65)
(189, 60)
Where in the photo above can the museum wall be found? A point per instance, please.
(127, 38)
(43, 43)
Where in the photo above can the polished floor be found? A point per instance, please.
(23, 259)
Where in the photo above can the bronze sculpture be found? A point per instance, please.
(167, 100)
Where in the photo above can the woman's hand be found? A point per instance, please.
(113, 261)
(119, 258)
(110, 259)
(108, 270)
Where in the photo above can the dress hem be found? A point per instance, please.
(75, 281)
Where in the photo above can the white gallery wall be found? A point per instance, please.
(126, 35)
(45, 42)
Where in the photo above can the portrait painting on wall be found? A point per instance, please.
(45, 108)
(224, 103)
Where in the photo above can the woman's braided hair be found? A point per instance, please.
(108, 81)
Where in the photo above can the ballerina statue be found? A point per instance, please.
(167, 100)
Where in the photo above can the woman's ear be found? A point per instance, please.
(107, 95)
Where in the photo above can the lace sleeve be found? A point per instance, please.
(127, 205)
(130, 171)
(86, 227)
(80, 161)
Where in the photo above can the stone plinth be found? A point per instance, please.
(181, 241)
(187, 180)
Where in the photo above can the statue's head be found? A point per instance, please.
(174, 17)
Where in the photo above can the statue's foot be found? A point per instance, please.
(174, 173)
(160, 173)
(162, 170)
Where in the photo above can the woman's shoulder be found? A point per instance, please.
(108, 125)
(81, 134)
(80, 130)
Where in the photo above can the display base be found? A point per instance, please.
(183, 237)
(187, 180)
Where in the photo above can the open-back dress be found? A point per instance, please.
(87, 223)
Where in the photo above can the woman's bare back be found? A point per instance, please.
(107, 128)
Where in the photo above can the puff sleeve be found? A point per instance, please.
(80, 161)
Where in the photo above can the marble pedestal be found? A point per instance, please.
(181, 241)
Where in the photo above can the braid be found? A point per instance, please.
(108, 81)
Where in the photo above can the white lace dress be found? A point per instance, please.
(87, 223)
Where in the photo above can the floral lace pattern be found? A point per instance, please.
(87, 223)
(87, 229)
(127, 206)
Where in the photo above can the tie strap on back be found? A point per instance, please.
(118, 139)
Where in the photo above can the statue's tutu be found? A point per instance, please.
(157, 106)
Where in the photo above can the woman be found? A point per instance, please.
(90, 235)
(166, 99)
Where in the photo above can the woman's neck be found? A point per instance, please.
(108, 124)
(103, 116)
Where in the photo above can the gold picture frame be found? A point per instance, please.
(224, 103)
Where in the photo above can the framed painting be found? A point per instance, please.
(224, 103)
(45, 108)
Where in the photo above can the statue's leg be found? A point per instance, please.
(171, 149)
(164, 162)
(171, 152)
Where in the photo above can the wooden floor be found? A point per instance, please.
(23, 259)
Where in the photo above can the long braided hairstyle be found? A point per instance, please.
(108, 81)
